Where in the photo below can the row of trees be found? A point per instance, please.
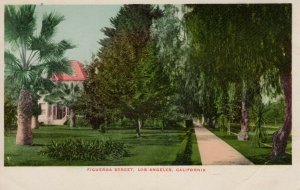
(214, 61)
(242, 51)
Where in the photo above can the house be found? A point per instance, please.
(54, 114)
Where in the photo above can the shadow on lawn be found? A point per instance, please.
(265, 159)
(152, 140)
(39, 144)
(58, 135)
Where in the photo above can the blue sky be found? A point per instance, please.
(82, 26)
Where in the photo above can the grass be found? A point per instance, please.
(153, 148)
(258, 155)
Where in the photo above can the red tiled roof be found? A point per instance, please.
(79, 73)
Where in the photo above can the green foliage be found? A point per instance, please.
(122, 79)
(172, 50)
(260, 133)
(79, 149)
(274, 112)
(238, 45)
(80, 122)
(19, 23)
(30, 59)
(93, 102)
(64, 95)
(10, 114)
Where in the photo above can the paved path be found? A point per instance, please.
(215, 151)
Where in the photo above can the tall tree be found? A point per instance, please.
(279, 46)
(33, 58)
(171, 44)
(92, 102)
(122, 64)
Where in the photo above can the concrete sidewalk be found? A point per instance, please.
(215, 151)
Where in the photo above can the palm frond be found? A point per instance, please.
(19, 23)
(49, 23)
(36, 43)
(25, 77)
(57, 67)
(62, 46)
(53, 98)
(51, 50)
(12, 64)
(45, 59)
(15, 71)
(42, 86)
(64, 95)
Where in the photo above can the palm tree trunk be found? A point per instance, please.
(72, 118)
(35, 122)
(280, 137)
(24, 134)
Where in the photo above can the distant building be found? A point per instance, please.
(54, 114)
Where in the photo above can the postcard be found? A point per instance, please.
(149, 95)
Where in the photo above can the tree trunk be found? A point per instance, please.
(163, 124)
(104, 126)
(281, 136)
(223, 121)
(95, 122)
(210, 122)
(24, 134)
(35, 122)
(138, 127)
(72, 118)
(229, 128)
(243, 135)
(216, 122)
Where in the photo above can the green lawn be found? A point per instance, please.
(153, 148)
(258, 155)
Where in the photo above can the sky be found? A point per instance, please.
(81, 26)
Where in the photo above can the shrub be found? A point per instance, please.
(184, 157)
(78, 149)
(82, 122)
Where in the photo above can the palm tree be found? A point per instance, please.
(31, 59)
(66, 95)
